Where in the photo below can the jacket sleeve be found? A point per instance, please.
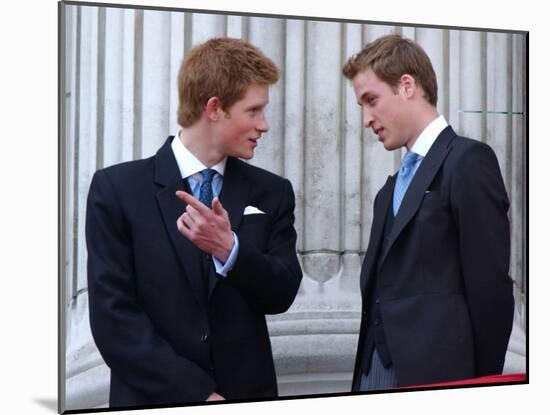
(125, 336)
(480, 205)
(269, 279)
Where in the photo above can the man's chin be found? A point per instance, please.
(391, 145)
(245, 156)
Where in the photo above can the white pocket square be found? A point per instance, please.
(251, 210)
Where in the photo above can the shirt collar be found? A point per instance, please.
(188, 164)
(428, 136)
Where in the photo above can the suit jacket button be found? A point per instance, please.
(377, 322)
(377, 301)
(204, 338)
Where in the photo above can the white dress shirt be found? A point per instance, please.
(426, 139)
(428, 136)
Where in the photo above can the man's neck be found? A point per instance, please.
(423, 119)
(198, 141)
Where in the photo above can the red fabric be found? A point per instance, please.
(507, 378)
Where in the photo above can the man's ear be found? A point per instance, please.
(213, 108)
(407, 85)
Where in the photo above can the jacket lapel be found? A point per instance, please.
(234, 192)
(418, 186)
(377, 230)
(168, 175)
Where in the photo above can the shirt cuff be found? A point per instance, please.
(221, 268)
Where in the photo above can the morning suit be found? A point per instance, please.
(168, 327)
(437, 297)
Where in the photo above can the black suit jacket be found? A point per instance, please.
(166, 337)
(442, 278)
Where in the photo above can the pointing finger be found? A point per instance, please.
(190, 200)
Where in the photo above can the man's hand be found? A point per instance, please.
(215, 397)
(209, 230)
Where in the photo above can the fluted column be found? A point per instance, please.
(294, 84)
(352, 195)
(268, 35)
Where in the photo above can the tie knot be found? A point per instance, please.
(208, 174)
(409, 160)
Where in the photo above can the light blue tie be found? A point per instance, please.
(404, 177)
(205, 192)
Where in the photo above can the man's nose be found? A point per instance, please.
(367, 118)
(262, 125)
